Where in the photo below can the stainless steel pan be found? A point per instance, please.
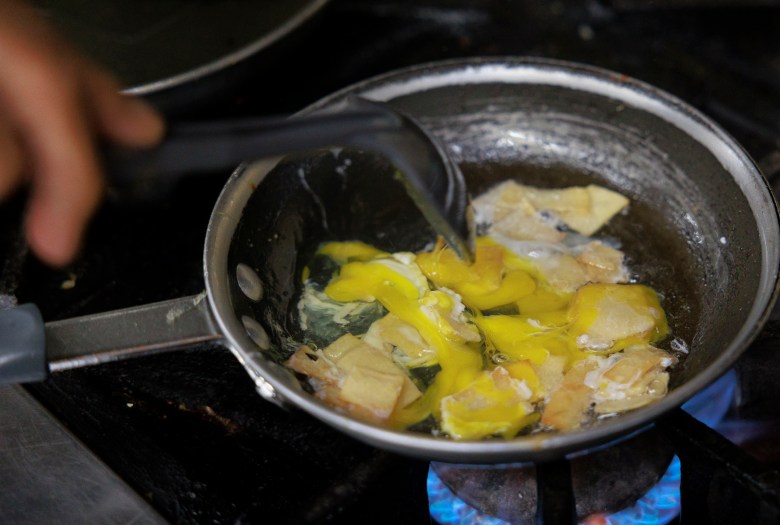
(702, 229)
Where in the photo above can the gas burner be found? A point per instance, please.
(636, 480)
(660, 505)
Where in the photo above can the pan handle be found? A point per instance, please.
(22, 345)
(29, 350)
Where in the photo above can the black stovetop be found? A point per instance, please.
(186, 429)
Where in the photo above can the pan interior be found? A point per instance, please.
(690, 232)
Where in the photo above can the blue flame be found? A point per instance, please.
(448, 509)
(659, 506)
(711, 404)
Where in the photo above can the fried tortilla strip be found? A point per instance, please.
(516, 217)
(348, 352)
(602, 263)
(314, 364)
(634, 379)
(568, 405)
(376, 391)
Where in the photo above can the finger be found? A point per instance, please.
(66, 190)
(59, 208)
(127, 120)
(10, 160)
(57, 215)
(66, 183)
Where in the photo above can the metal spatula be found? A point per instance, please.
(432, 180)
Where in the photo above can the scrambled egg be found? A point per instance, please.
(538, 331)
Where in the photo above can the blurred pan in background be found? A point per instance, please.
(181, 54)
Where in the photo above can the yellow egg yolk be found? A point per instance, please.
(460, 361)
(490, 282)
(470, 396)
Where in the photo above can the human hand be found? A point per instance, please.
(55, 106)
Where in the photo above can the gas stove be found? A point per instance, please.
(187, 430)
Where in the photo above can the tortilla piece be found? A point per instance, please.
(314, 364)
(493, 404)
(604, 204)
(655, 390)
(517, 210)
(516, 217)
(373, 390)
(563, 272)
(633, 379)
(570, 402)
(611, 317)
(550, 373)
(563, 202)
(349, 352)
(392, 332)
(602, 263)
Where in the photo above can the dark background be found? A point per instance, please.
(187, 430)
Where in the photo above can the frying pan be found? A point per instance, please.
(198, 50)
(702, 229)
